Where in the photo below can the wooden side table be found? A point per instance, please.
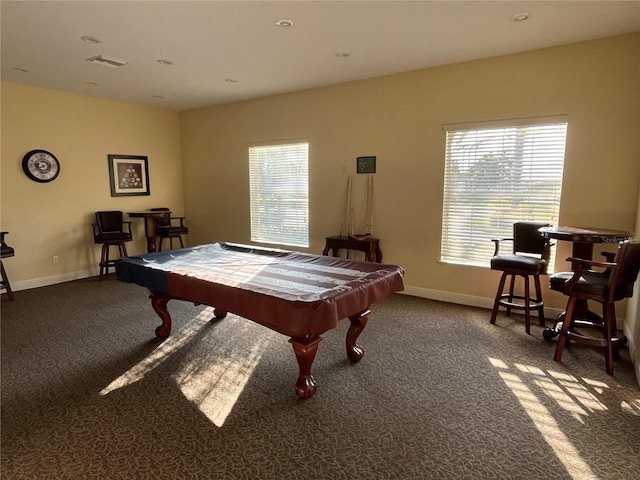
(370, 247)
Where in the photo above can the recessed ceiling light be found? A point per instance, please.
(519, 17)
(90, 39)
(231, 80)
(343, 54)
(93, 84)
(284, 22)
(157, 96)
(21, 70)
(164, 61)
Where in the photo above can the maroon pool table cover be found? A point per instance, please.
(296, 294)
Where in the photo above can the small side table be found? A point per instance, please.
(370, 247)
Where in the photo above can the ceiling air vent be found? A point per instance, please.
(107, 61)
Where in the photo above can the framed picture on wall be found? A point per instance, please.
(366, 165)
(129, 175)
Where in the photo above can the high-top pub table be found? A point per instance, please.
(150, 230)
(583, 239)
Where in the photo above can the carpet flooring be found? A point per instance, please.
(89, 393)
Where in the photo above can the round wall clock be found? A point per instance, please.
(41, 166)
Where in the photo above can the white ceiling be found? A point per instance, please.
(212, 41)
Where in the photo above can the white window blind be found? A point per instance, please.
(279, 190)
(496, 175)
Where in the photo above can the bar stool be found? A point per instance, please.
(529, 258)
(109, 230)
(5, 252)
(611, 283)
(166, 227)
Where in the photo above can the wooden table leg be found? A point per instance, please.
(150, 232)
(305, 351)
(354, 351)
(159, 302)
(582, 250)
(151, 245)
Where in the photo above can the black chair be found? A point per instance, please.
(5, 252)
(169, 227)
(528, 258)
(606, 287)
(111, 230)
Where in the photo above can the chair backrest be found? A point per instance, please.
(5, 250)
(109, 221)
(163, 220)
(622, 280)
(528, 239)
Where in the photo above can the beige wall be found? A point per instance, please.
(55, 218)
(399, 119)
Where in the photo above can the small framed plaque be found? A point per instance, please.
(366, 165)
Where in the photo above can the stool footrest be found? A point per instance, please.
(533, 302)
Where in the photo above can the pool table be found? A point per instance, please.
(299, 295)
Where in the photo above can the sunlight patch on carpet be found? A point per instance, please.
(632, 407)
(213, 383)
(215, 386)
(568, 393)
(161, 353)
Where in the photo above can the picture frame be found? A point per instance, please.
(366, 165)
(129, 175)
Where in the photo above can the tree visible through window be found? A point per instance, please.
(279, 191)
(496, 175)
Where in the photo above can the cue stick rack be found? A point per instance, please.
(348, 214)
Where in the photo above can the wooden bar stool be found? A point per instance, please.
(5, 252)
(602, 282)
(168, 226)
(529, 258)
(109, 230)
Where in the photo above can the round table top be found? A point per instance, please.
(585, 234)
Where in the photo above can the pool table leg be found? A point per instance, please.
(354, 351)
(159, 302)
(305, 351)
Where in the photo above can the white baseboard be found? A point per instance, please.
(461, 299)
(53, 280)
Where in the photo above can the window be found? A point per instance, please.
(279, 190)
(496, 175)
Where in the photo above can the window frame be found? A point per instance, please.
(278, 214)
(471, 217)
